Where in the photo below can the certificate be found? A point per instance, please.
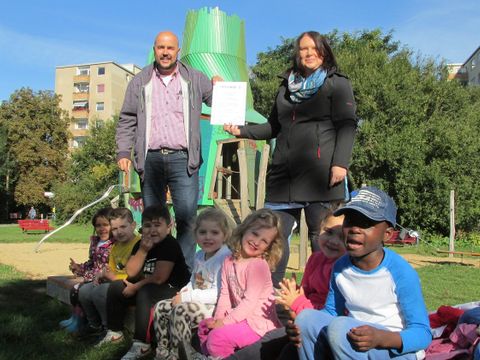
(228, 103)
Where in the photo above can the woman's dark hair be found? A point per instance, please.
(323, 47)
(105, 213)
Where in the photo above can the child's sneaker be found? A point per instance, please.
(66, 322)
(187, 352)
(110, 337)
(137, 351)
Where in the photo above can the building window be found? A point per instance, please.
(81, 87)
(81, 124)
(78, 141)
(100, 124)
(101, 71)
(80, 105)
(83, 70)
(100, 88)
(100, 106)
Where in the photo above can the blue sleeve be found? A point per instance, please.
(416, 335)
(335, 303)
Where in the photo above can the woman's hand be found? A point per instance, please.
(232, 129)
(337, 174)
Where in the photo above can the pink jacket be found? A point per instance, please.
(315, 283)
(247, 294)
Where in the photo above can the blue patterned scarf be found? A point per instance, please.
(302, 88)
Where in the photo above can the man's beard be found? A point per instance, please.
(169, 67)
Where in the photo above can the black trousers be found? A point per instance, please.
(146, 297)
(314, 214)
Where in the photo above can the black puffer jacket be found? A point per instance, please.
(311, 137)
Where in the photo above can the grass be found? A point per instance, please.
(30, 319)
(449, 284)
(30, 329)
(75, 233)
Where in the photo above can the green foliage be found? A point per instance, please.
(35, 140)
(417, 134)
(91, 170)
(265, 80)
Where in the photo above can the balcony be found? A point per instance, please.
(81, 78)
(78, 112)
(80, 95)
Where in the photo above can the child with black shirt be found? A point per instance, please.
(156, 271)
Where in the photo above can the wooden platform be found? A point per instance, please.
(59, 287)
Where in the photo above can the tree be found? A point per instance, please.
(36, 143)
(91, 170)
(417, 135)
(265, 75)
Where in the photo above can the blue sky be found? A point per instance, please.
(37, 36)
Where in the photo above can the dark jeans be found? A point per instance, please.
(162, 170)
(268, 347)
(146, 297)
(314, 214)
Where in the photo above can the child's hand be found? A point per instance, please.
(130, 289)
(74, 267)
(365, 337)
(177, 299)
(293, 331)
(288, 292)
(146, 244)
(97, 278)
(214, 324)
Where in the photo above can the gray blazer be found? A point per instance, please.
(134, 124)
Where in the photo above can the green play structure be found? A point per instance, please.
(214, 43)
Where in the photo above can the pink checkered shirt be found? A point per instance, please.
(167, 129)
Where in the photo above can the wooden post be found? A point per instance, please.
(242, 165)
(262, 173)
(451, 246)
(228, 185)
(303, 240)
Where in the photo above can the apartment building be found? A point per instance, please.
(457, 72)
(467, 73)
(92, 93)
(472, 68)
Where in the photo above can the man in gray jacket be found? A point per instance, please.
(160, 121)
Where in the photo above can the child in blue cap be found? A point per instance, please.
(375, 308)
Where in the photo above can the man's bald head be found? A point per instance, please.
(166, 51)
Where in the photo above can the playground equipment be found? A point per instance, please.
(214, 43)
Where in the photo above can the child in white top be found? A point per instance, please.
(174, 318)
(246, 306)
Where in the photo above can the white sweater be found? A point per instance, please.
(204, 285)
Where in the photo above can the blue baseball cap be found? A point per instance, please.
(373, 203)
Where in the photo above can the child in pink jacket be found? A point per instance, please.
(246, 307)
(311, 294)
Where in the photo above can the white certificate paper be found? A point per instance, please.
(228, 103)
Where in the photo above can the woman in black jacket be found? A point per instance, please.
(314, 122)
